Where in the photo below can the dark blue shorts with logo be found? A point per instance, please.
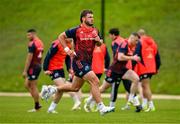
(81, 68)
(57, 74)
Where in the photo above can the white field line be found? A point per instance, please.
(105, 95)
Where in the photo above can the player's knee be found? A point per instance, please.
(136, 79)
(26, 85)
(76, 89)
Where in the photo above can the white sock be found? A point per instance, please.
(112, 104)
(131, 96)
(75, 99)
(89, 99)
(136, 101)
(52, 106)
(151, 104)
(100, 105)
(144, 102)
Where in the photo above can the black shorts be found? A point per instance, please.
(33, 72)
(57, 74)
(112, 77)
(81, 68)
(145, 76)
(99, 75)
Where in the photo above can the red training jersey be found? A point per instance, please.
(36, 47)
(148, 53)
(98, 59)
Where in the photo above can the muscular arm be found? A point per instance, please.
(123, 57)
(62, 38)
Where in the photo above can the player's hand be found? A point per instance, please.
(71, 73)
(48, 72)
(69, 52)
(97, 38)
(24, 74)
(136, 58)
(105, 69)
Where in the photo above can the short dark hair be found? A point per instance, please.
(136, 34)
(84, 13)
(31, 31)
(114, 31)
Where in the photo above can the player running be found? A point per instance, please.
(118, 69)
(100, 63)
(85, 37)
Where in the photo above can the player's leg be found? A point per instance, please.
(89, 103)
(58, 82)
(76, 96)
(148, 94)
(94, 83)
(31, 85)
(114, 93)
(127, 86)
(133, 77)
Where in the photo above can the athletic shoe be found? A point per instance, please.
(126, 107)
(150, 109)
(52, 112)
(76, 106)
(138, 108)
(48, 91)
(86, 106)
(44, 92)
(134, 101)
(145, 107)
(106, 110)
(34, 110)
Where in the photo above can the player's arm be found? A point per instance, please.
(121, 54)
(29, 57)
(71, 33)
(98, 38)
(52, 51)
(137, 52)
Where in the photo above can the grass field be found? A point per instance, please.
(14, 110)
(50, 17)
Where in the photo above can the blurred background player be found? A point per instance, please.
(148, 66)
(118, 69)
(114, 35)
(85, 37)
(53, 66)
(32, 67)
(100, 63)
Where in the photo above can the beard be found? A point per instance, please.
(87, 23)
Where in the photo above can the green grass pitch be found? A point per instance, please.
(14, 110)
